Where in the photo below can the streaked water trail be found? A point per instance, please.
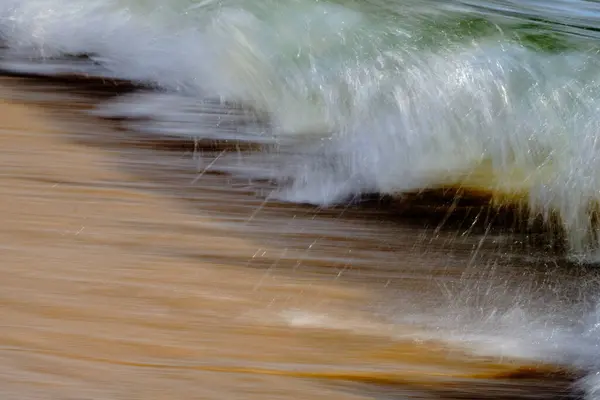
(323, 102)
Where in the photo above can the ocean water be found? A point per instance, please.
(375, 96)
(368, 96)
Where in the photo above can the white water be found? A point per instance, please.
(365, 97)
(375, 106)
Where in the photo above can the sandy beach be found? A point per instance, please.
(123, 280)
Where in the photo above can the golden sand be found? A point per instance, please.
(120, 281)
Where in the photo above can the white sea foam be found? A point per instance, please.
(372, 109)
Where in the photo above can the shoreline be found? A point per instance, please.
(506, 210)
(95, 237)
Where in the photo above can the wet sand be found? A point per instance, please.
(126, 276)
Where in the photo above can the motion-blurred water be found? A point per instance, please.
(355, 97)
